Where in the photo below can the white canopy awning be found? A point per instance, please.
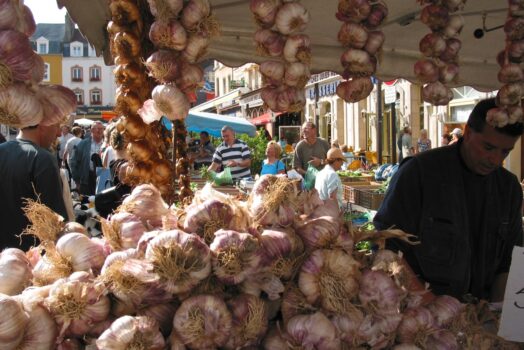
(403, 32)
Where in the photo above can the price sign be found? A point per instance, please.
(511, 324)
(390, 94)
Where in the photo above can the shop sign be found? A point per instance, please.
(513, 306)
(253, 98)
(328, 89)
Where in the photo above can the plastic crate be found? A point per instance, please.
(367, 197)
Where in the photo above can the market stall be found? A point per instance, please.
(402, 28)
(280, 270)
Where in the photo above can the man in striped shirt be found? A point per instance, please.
(232, 153)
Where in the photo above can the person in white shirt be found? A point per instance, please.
(328, 183)
(62, 140)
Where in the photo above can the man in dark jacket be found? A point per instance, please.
(27, 170)
(463, 206)
(85, 156)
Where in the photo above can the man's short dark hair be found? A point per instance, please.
(477, 119)
(77, 131)
(205, 133)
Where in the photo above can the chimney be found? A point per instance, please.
(69, 29)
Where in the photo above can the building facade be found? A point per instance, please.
(47, 41)
(86, 74)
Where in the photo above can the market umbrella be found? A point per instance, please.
(403, 31)
(213, 123)
(84, 122)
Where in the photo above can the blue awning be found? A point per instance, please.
(213, 123)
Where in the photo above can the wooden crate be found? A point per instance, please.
(356, 178)
(367, 197)
(349, 193)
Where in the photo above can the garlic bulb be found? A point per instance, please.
(15, 271)
(379, 291)
(297, 49)
(165, 8)
(236, 256)
(82, 253)
(41, 331)
(168, 35)
(250, 321)
(313, 332)
(77, 305)
(149, 112)
(282, 251)
(123, 230)
(129, 332)
(203, 322)
(162, 313)
(171, 101)
(128, 278)
(196, 48)
(19, 107)
(13, 321)
(208, 217)
(264, 11)
(195, 12)
(297, 74)
(181, 260)
(272, 72)
(330, 278)
(58, 103)
(146, 202)
(292, 17)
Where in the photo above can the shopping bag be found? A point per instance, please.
(223, 178)
(310, 177)
(103, 179)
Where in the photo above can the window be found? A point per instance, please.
(42, 46)
(94, 73)
(47, 71)
(79, 96)
(77, 49)
(76, 73)
(96, 96)
(91, 52)
(217, 86)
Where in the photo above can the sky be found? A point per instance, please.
(46, 11)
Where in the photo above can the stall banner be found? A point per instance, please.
(511, 323)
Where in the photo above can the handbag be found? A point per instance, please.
(108, 200)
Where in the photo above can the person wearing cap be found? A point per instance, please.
(456, 134)
(327, 183)
(463, 207)
(28, 171)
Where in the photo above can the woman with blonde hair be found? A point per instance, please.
(423, 143)
(272, 164)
